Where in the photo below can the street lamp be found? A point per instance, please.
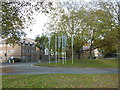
(49, 39)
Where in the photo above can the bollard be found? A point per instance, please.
(12, 61)
(9, 61)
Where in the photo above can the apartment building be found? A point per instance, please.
(25, 50)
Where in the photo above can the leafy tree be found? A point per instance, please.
(88, 24)
(68, 21)
(41, 43)
(111, 36)
(16, 16)
(12, 23)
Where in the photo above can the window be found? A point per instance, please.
(9, 51)
(8, 45)
(1, 45)
(37, 51)
(12, 51)
(23, 50)
(23, 44)
(33, 45)
(23, 57)
(28, 44)
(0, 58)
(1, 51)
(28, 50)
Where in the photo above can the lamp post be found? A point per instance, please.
(62, 50)
(49, 39)
(6, 52)
(72, 47)
(59, 44)
(55, 49)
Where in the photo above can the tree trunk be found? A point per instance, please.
(39, 54)
(91, 46)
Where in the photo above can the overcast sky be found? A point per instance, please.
(41, 19)
(38, 28)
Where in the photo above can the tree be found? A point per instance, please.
(105, 26)
(41, 43)
(12, 24)
(69, 22)
(111, 36)
(95, 24)
(16, 16)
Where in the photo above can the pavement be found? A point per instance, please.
(28, 68)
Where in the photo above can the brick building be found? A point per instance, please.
(25, 50)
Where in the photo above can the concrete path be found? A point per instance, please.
(28, 68)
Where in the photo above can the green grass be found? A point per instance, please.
(100, 63)
(60, 81)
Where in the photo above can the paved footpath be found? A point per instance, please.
(28, 68)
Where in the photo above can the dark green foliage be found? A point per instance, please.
(16, 16)
(41, 41)
(95, 23)
(12, 23)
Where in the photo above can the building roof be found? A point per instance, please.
(86, 47)
(2, 41)
(24, 40)
(27, 40)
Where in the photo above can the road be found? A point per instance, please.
(29, 68)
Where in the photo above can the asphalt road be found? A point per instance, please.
(28, 68)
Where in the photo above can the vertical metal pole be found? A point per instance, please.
(49, 50)
(6, 51)
(62, 50)
(58, 55)
(65, 47)
(65, 56)
(59, 49)
(72, 48)
(55, 49)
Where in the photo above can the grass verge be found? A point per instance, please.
(100, 63)
(61, 81)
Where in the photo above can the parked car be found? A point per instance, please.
(61, 58)
(15, 60)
